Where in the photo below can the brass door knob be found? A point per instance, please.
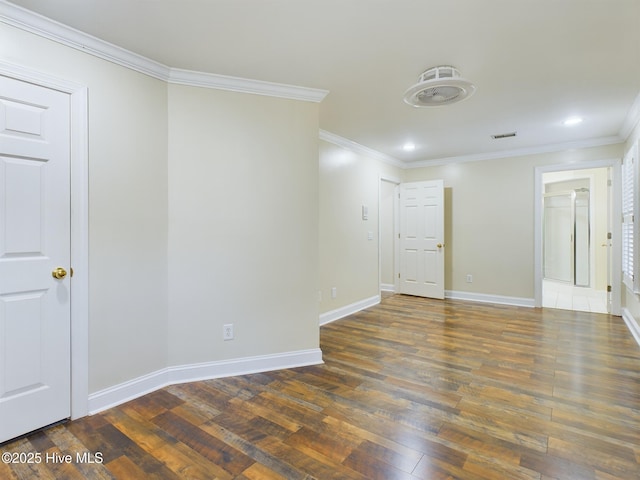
(440, 245)
(59, 273)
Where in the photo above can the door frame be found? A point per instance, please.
(395, 181)
(615, 267)
(79, 186)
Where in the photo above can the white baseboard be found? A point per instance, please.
(632, 324)
(342, 312)
(388, 287)
(131, 389)
(484, 298)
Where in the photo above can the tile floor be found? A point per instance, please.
(570, 297)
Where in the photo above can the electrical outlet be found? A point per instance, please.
(227, 331)
(334, 292)
(469, 278)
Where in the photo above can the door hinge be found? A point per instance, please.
(609, 288)
(398, 275)
(608, 235)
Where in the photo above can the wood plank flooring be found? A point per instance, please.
(411, 389)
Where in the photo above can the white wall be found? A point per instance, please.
(489, 217)
(243, 224)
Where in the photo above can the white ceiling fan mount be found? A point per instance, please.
(437, 86)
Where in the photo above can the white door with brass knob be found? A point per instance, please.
(421, 266)
(34, 257)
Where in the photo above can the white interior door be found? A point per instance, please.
(34, 242)
(422, 239)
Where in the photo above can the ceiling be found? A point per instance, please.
(534, 62)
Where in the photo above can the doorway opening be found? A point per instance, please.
(575, 212)
(566, 247)
(574, 269)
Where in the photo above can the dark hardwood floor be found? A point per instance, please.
(410, 389)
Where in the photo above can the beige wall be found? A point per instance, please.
(127, 205)
(489, 216)
(243, 224)
(208, 207)
(218, 189)
(348, 260)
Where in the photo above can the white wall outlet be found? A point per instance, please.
(469, 278)
(227, 331)
(334, 292)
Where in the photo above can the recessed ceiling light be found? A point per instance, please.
(572, 121)
(409, 147)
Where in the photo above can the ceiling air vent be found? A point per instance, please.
(504, 135)
(438, 86)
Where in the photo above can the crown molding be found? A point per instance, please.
(45, 27)
(244, 85)
(632, 119)
(558, 147)
(360, 149)
(520, 152)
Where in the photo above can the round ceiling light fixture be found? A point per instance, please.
(438, 86)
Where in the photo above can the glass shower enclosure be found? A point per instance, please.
(566, 237)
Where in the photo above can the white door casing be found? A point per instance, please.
(35, 230)
(422, 244)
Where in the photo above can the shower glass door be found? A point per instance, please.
(558, 237)
(566, 242)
